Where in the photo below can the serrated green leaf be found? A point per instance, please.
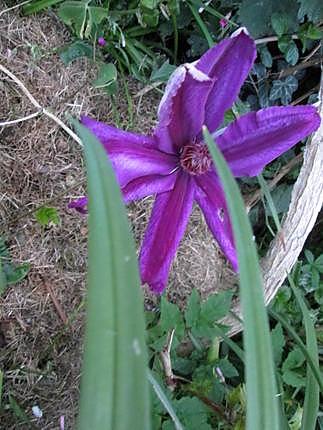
(192, 413)
(46, 215)
(216, 306)
(309, 256)
(265, 56)
(278, 342)
(115, 359)
(319, 263)
(171, 317)
(294, 359)
(38, 5)
(77, 49)
(227, 368)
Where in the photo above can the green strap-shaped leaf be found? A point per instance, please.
(38, 5)
(114, 387)
(262, 403)
(312, 391)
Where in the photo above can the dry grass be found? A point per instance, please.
(40, 164)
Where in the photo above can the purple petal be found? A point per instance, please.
(133, 156)
(80, 205)
(166, 227)
(147, 186)
(257, 138)
(181, 110)
(210, 197)
(229, 63)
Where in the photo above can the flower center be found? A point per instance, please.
(195, 159)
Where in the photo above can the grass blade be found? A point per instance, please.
(114, 387)
(312, 391)
(164, 401)
(266, 192)
(310, 360)
(201, 24)
(262, 403)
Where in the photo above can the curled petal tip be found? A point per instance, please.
(240, 30)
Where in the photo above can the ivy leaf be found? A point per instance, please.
(281, 196)
(257, 16)
(283, 89)
(279, 22)
(312, 8)
(75, 50)
(292, 54)
(107, 78)
(265, 56)
(46, 215)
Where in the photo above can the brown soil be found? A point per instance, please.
(39, 164)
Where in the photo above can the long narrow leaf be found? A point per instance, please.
(310, 360)
(38, 5)
(114, 387)
(262, 403)
(201, 24)
(312, 391)
(164, 401)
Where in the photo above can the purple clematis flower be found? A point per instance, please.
(174, 163)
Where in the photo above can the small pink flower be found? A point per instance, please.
(223, 22)
(102, 41)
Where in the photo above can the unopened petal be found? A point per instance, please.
(166, 227)
(257, 138)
